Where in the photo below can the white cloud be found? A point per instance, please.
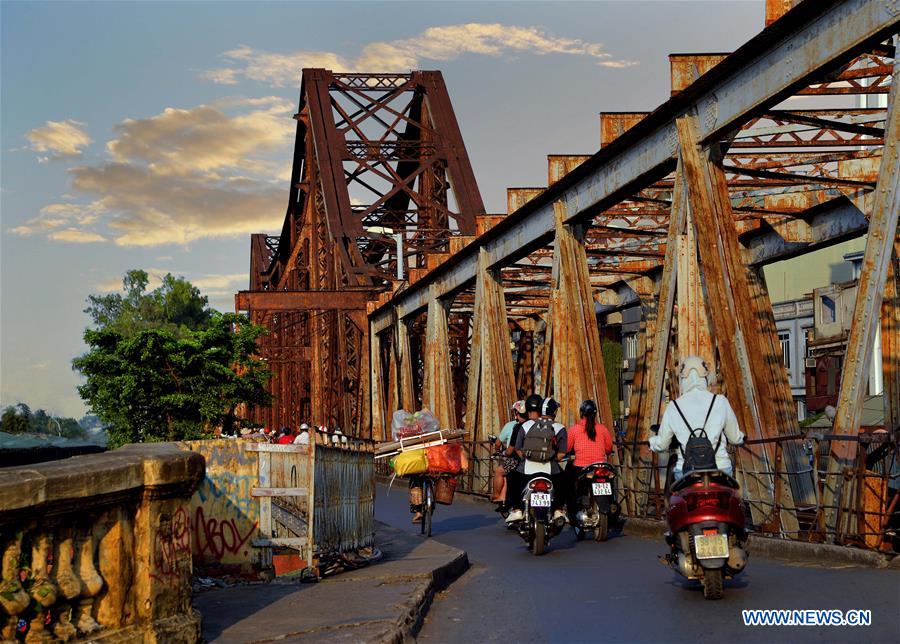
(178, 176)
(219, 288)
(219, 283)
(75, 236)
(60, 139)
(204, 138)
(60, 215)
(435, 43)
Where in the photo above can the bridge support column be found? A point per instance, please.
(437, 393)
(378, 413)
(403, 396)
(573, 335)
(650, 373)
(491, 385)
(880, 244)
(890, 342)
(741, 350)
(694, 333)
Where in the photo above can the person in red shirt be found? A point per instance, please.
(285, 437)
(590, 442)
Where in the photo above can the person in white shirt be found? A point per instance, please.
(696, 404)
(303, 436)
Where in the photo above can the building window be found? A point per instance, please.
(630, 341)
(784, 337)
(829, 311)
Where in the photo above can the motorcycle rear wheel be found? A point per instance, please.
(540, 539)
(602, 529)
(713, 584)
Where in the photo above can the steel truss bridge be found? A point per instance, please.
(773, 151)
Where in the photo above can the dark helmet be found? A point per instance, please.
(588, 408)
(533, 403)
(550, 407)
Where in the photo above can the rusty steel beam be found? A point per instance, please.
(748, 371)
(559, 165)
(344, 300)
(491, 381)
(877, 265)
(809, 42)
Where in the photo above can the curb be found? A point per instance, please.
(774, 548)
(416, 608)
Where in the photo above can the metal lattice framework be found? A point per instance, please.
(377, 157)
(684, 205)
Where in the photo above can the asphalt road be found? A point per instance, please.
(617, 591)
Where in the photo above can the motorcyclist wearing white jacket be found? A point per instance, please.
(694, 402)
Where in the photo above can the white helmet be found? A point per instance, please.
(694, 374)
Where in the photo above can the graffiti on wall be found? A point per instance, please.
(224, 514)
(217, 538)
(171, 555)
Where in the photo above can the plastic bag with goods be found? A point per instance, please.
(444, 459)
(426, 421)
(403, 424)
(411, 462)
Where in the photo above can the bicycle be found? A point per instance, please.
(427, 505)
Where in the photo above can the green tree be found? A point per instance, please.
(69, 428)
(40, 423)
(13, 422)
(171, 382)
(176, 305)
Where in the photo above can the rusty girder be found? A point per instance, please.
(376, 156)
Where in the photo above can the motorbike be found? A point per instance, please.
(706, 535)
(538, 526)
(596, 505)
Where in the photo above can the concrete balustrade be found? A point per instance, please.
(99, 547)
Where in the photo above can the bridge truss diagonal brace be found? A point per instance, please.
(437, 392)
(890, 343)
(491, 383)
(746, 367)
(378, 414)
(402, 382)
(572, 343)
(880, 244)
(649, 376)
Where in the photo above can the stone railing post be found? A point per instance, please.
(98, 547)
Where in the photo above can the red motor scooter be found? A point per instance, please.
(706, 533)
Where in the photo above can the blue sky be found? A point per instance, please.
(158, 135)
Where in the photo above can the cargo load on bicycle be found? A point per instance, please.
(429, 457)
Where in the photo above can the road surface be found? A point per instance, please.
(617, 591)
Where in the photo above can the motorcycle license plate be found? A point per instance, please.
(712, 546)
(602, 489)
(540, 500)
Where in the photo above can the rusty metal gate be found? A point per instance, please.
(317, 499)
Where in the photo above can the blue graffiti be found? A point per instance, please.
(233, 490)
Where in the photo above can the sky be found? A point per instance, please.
(159, 135)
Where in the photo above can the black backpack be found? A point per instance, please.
(699, 453)
(539, 443)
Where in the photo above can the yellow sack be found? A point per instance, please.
(411, 462)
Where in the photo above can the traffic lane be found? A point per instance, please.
(617, 591)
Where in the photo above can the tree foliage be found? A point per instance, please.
(162, 366)
(19, 419)
(176, 305)
(14, 422)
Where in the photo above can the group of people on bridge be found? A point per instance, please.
(588, 441)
